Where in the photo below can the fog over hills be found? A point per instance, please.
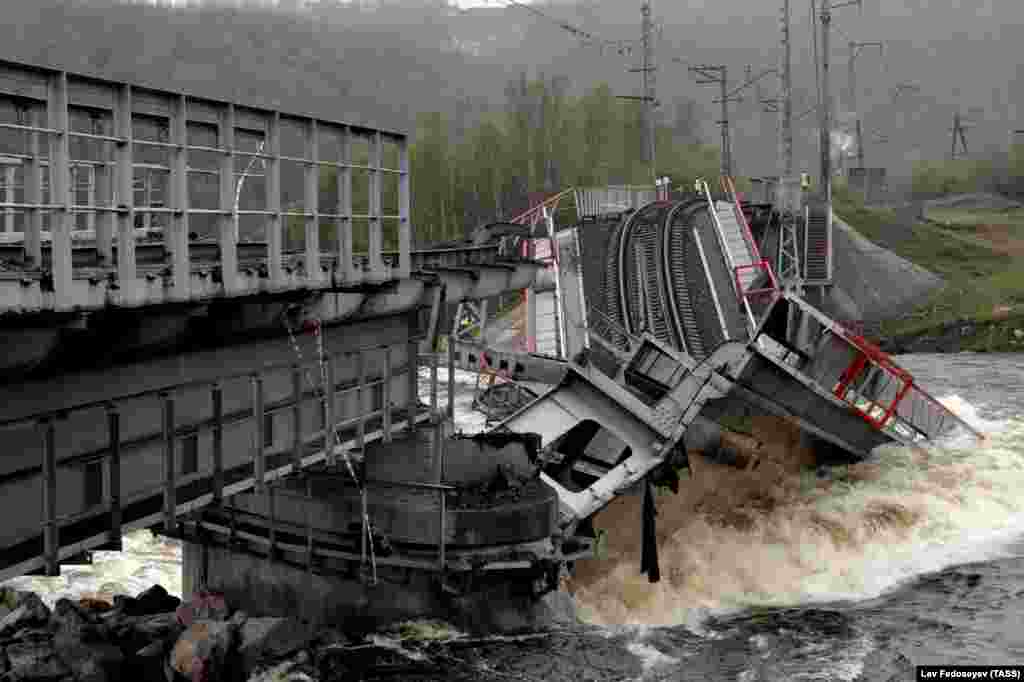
(386, 61)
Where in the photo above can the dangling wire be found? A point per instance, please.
(368, 529)
(333, 437)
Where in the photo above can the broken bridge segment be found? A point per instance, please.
(648, 406)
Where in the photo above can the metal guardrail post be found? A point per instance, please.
(375, 247)
(451, 377)
(362, 524)
(61, 219)
(360, 400)
(218, 443)
(404, 211)
(297, 417)
(434, 361)
(227, 221)
(176, 232)
(412, 363)
(386, 396)
(50, 529)
(439, 465)
(114, 473)
(311, 195)
(309, 524)
(343, 224)
(33, 179)
(259, 454)
(275, 230)
(170, 484)
(329, 413)
(124, 194)
(272, 526)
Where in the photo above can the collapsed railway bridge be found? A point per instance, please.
(202, 339)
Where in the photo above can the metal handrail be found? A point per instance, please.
(534, 209)
(724, 246)
(197, 383)
(875, 354)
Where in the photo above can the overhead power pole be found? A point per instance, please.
(855, 48)
(825, 115)
(959, 135)
(718, 75)
(648, 100)
(646, 28)
(786, 170)
(786, 93)
(788, 258)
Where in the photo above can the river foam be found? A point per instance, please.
(855, 533)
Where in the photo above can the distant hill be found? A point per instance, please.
(409, 56)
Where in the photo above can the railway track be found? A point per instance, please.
(656, 278)
(678, 287)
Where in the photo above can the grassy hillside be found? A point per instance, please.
(979, 253)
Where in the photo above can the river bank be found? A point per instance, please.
(1004, 335)
(975, 243)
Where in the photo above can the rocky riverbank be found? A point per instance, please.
(149, 637)
(155, 636)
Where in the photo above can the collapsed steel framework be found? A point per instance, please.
(683, 333)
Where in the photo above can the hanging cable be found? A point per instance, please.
(333, 439)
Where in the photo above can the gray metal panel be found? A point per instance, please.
(87, 285)
(765, 378)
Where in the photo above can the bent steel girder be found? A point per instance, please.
(649, 427)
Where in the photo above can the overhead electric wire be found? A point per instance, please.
(566, 26)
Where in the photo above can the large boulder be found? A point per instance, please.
(89, 661)
(152, 601)
(203, 606)
(203, 652)
(29, 612)
(34, 659)
(262, 639)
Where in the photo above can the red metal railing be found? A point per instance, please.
(529, 249)
(763, 265)
(759, 262)
(869, 354)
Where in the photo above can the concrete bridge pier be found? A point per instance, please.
(459, 529)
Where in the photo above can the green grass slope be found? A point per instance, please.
(978, 252)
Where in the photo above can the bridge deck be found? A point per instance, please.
(92, 495)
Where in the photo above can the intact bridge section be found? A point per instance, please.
(200, 298)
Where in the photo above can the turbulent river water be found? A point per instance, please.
(857, 573)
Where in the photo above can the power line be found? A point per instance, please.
(623, 46)
(717, 74)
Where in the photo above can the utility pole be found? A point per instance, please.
(648, 76)
(855, 48)
(788, 258)
(786, 110)
(825, 116)
(958, 134)
(718, 74)
(648, 100)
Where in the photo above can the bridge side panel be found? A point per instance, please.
(82, 442)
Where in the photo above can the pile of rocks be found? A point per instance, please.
(155, 636)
